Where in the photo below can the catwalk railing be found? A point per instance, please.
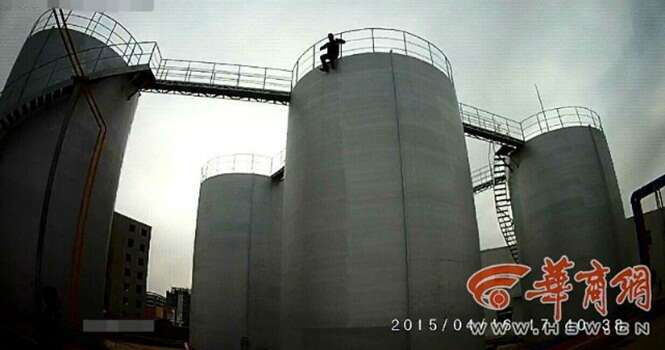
(243, 163)
(558, 118)
(41, 77)
(372, 40)
(214, 79)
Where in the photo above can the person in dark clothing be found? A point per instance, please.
(333, 52)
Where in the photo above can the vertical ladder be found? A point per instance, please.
(502, 204)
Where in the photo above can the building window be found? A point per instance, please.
(140, 261)
(139, 275)
(144, 232)
(142, 247)
(128, 258)
(139, 289)
(127, 272)
(130, 242)
(125, 301)
(132, 228)
(138, 303)
(125, 287)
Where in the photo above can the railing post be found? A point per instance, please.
(578, 115)
(431, 57)
(188, 72)
(297, 70)
(406, 52)
(372, 35)
(87, 27)
(313, 56)
(252, 168)
(559, 114)
(131, 54)
(265, 76)
(212, 75)
(341, 47)
(124, 52)
(111, 33)
(540, 127)
(238, 81)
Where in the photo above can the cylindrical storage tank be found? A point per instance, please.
(379, 219)
(236, 272)
(566, 201)
(59, 171)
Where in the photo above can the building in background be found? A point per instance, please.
(127, 268)
(156, 308)
(179, 299)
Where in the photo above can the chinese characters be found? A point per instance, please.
(489, 286)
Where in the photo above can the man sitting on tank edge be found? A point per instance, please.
(333, 52)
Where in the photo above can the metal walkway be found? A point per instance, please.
(222, 80)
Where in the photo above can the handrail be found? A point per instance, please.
(215, 73)
(94, 59)
(490, 121)
(242, 163)
(558, 118)
(376, 39)
(109, 31)
(364, 40)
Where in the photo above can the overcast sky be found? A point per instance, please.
(607, 55)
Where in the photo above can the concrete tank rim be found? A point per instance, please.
(355, 56)
(587, 117)
(563, 129)
(447, 70)
(238, 174)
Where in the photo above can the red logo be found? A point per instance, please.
(489, 286)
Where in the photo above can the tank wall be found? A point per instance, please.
(26, 155)
(235, 286)
(376, 162)
(566, 200)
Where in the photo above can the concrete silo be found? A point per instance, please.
(59, 169)
(236, 272)
(379, 219)
(566, 200)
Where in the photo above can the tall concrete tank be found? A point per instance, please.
(58, 181)
(379, 218)
(236, 278)
(566, 200)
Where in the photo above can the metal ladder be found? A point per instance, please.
(502, 204)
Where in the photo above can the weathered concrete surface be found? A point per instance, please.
(236, 278)
(379, 219)
(566, 200)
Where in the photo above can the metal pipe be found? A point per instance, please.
(643, 235)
